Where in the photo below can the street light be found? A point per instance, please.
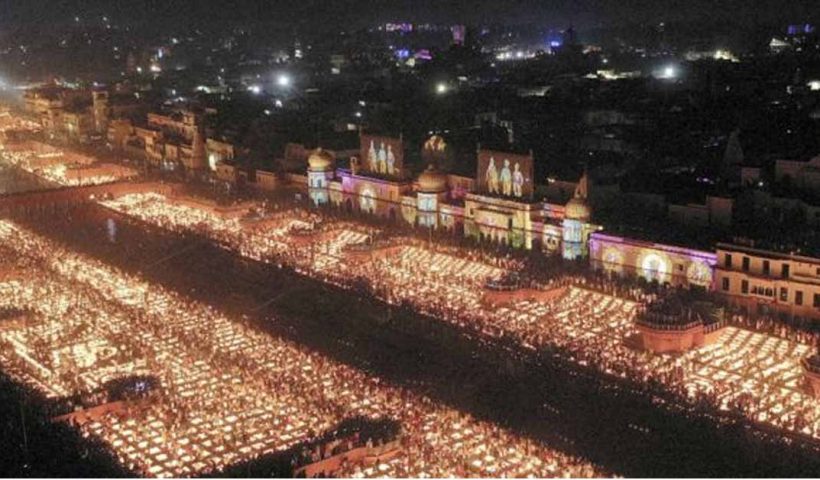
(283, 80)
(441, 88)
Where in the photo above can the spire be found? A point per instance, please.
(582, 190)
(733, 155)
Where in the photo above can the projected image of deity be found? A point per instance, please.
(492, 177)
(508, 175)
(382, 155)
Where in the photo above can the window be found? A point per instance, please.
(784, 270)
(725, 284)
(744, 286)
(766, 267)
(728, 262)
(784, 294)
(745, 264)
(798, 298)
(817, 300)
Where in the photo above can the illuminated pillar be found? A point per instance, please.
(318, 186)
(428, 209)
(573, 239)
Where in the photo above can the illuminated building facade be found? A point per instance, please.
(174, 141)
(431, 193)
(655, 262)
(76, 114)
(320, 173)
(500, 220)
(575, 226)
(768, 282)
(508, 215)
(39, 101)
(218, 151)
(355, 190)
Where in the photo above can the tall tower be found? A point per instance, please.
(431, 192)
(576, 222)
(100, 107)
(321, 171)
(198, 154)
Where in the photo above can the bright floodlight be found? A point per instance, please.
(670, 72)
(283, 80)
(441, 88)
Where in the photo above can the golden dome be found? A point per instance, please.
(577, 209)
(432, 181)
(320, 160)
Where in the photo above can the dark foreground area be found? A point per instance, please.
(33, 446)
(629, 430)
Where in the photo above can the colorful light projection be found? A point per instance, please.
(613, 260)
(655, 266)
(382, 155)
(367, 199)
(700, 274)
(654, 262)
(436, 152)
(505, 174)
(552, 238)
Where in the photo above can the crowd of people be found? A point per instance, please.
(750, 372)
(228, 393)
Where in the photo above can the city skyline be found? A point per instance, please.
(357, 14)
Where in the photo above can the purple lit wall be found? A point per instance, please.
(653, 261)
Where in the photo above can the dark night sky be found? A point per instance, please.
(358, 12)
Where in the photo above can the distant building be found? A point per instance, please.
(715, 212)
(174, 140)
(803, 175)
(733, 158)
(768, 282)
(502, 212)
(218, 151)
(75, 114)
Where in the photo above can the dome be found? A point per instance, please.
(320, 160)
(577, 209)
(432, 181)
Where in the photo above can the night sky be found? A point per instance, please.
(356, 13)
